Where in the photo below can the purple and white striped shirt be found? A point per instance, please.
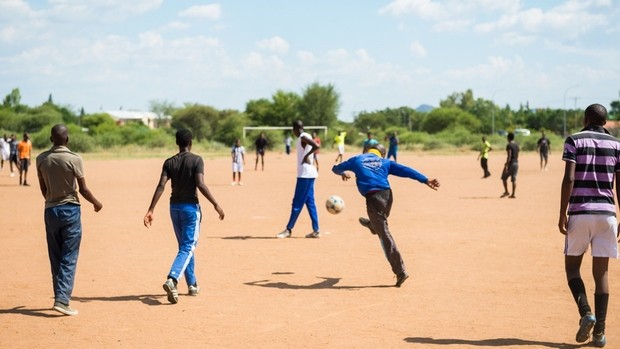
(597, 157)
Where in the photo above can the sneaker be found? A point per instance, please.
(233, 183)
(171, 290)
(193, 290)
(586, 323)
(284, 234)
(400, 278)
(64, 308)
(314, 235)
(365, 222)
(504, 195)
(599, 340)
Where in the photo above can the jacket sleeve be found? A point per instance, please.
(399, 170)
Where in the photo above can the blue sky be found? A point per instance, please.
(107, 54)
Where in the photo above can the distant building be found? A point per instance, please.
(148, 118)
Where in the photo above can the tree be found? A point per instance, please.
(319, 105)
(200, 119)
(284, 108)
(440, 119)
(13, 99)
(258, 111)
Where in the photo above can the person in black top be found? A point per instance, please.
(186, 171)
(261, 144)
(511, 167)
(543, 148)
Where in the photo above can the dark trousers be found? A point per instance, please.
(484, 163)
(64, 233)
(378, 206)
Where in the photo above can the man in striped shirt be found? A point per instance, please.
(588, 216)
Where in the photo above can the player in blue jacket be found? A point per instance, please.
(371, 176)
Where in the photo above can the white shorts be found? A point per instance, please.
(237, 167)
(340, 149)
(597, 230)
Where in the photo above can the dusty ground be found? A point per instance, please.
(486, 272)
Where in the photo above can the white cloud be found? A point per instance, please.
(417, 49)
(8, 34)
(106, 10)
(275, 44)
(176, 25)
(211, 11)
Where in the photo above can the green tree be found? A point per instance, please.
(284, 108)
(200, 119)
(319, 105)
(440, 119)
(258, 111)
(13, 99)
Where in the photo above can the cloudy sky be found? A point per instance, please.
(107, 54)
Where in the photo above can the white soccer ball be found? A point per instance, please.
(334, 204)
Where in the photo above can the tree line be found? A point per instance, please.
(458, 121)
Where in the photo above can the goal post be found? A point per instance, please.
(268, 128)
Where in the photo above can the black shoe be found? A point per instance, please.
(400, 278)
(365, 222)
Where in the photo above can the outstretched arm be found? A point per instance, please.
(433, 183)
(148, 218)
(200, 184)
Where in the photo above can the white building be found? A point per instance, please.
(148, 118)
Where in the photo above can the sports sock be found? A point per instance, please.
(578, 289)
(600, 311)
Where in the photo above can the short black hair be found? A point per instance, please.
(184, 137)
(511, 136)
(596, 114)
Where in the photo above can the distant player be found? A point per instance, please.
(483, 156)
(261, 145)
(511, 167)
(238, 161)
(393, 146)
(316, 140)
(339, 142)
(588, 216)
(371, 176)
(24, 153)
(186, 171)
(543, 147)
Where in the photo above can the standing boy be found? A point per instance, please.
(511, 167)
(261, 144)
(186, 171)
(371, 176)
(543, 146)
(393, 146)
(316, 140)
(304, 187)
(24, 152)
(484, 157)
(58, 170)
(588, 216)
(339, 142)
(238, 160)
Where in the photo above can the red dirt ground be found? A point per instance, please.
(485, 271)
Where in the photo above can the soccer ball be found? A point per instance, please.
(334, 204)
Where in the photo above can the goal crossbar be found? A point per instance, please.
(248, 128)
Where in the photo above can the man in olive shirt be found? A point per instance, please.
(58, 170)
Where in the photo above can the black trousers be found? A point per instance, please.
(378, 206)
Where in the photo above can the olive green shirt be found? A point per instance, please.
(59, 167)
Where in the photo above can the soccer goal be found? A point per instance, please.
(268, 128)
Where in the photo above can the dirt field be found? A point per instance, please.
(485, 271)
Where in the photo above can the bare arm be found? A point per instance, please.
(567, 188)
(308, 141)
(148, 218)
(200, 184)
(41, 183)
(617, 200)
(88, 195)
